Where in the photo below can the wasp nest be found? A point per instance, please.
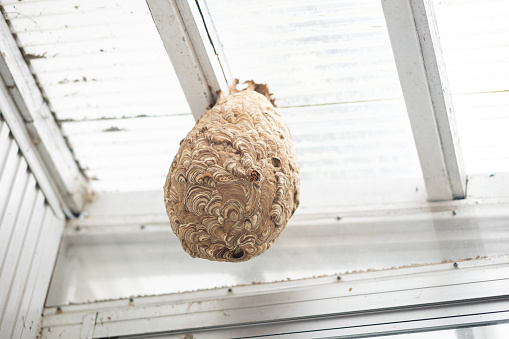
(234, 182)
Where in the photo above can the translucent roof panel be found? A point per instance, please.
(108, 79)
(332, 71)
(128, 154)
(106, 75)
(131, 250)
(310, 53)
(475, 37)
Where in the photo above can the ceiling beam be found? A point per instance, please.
(192, 44)
(416, 46)
(32, 123)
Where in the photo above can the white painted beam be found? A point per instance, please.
(191, 42)
(318, 304)
(416, 46)
(25, 143)
(36, 130)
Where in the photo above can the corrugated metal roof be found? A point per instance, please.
(105, 73)
(100, 61)
(96, 59)
(309, 52)
(337, 51)
(475, 37)
(97, 63)
(30, 234)
(330, 66)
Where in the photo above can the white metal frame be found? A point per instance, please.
(36, 131)
(23, 139)
(396, 301)
(191, 42)
(416, 46)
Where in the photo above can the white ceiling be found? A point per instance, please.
(107, 78)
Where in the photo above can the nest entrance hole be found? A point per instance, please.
(239, 253)
(276, 162)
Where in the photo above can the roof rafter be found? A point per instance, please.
(416, 46)
(193, 46)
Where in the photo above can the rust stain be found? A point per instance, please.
(29, 56)
(113, 129)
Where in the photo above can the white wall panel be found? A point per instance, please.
(30, 234)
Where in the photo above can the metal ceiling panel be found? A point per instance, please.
(309, 53)
(105, 73)
(96, 59)
(102, 60)
(329, 64)
(30, 235)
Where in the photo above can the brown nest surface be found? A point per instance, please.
(234, 182)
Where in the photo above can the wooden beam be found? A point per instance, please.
(416, 46)
(191, 42)
(32, 123)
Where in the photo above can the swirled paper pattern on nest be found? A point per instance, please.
(234, 182)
